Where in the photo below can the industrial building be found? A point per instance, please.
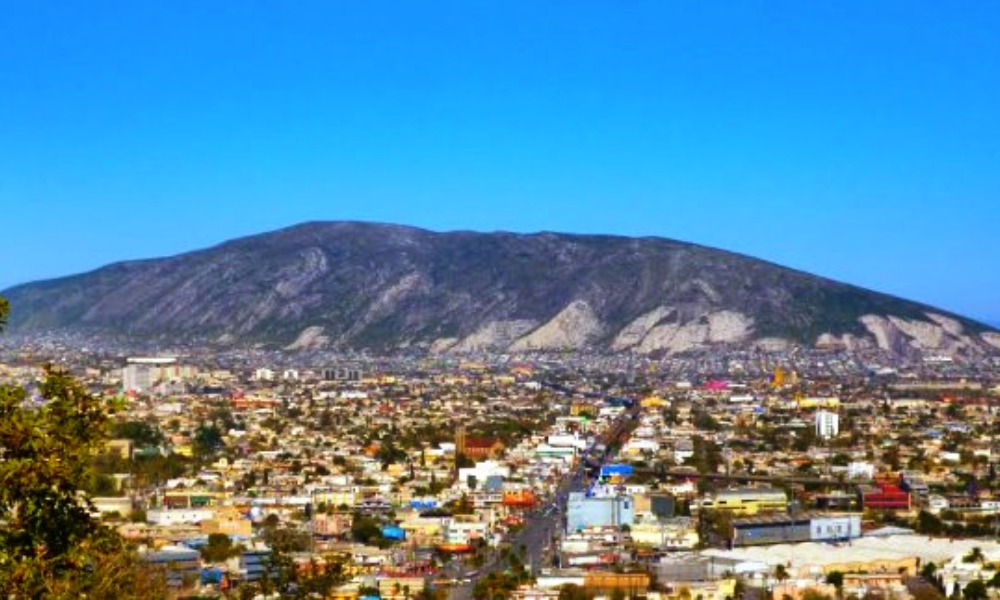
(781, 529)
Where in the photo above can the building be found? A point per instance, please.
(477, 476)
(343, 374)
(180, 516)
(460, 531)
(884, 496)
(181, 564)
(670, 534)
(783, 529)
(142, 374)
(747, 501)
(476, 448)
(827, 424)
(860, 470)
(583, 511)
(254, 563)
(915, 483)
(229, 521)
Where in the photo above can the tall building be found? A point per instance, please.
(141, 374)
(827, 424)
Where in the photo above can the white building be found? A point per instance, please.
(263, 374)
(835, 527)
(462, 529)
(827, 424)
(178, 516)
(860, 470)
(142, 373)
(481, 472)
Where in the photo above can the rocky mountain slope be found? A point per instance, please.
(387, 287)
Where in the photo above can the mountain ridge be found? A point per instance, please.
(387, 287)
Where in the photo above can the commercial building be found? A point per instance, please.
(583, 511)
(180, 563)
(884, 496)
(747, 501)
(827, 424)
(142, 374)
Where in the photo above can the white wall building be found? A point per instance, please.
(835, 527)
(827, 424)
(482, 471)
(178, 516)
(860, 470)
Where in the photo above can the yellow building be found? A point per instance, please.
(653, 402)
(816, 402)
(747, 501)
(603, 582)
(123, 448)
(337, 496)
(229, 521)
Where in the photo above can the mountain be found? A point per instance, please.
(355, 285)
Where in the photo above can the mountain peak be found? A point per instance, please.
(386, 287)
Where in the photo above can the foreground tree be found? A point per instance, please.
(51, 545)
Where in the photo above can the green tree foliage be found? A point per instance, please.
(365, 529)
(929, 524)
(389, 453)
(463, 462)
(974, 556)
(497, 585)
(781, 573)
(207, 440)
(836, 579)
(50, 545)
(714, 528)
(219, 548)
(140, 432)
(975, 590)
(571, 591)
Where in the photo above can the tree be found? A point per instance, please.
(780, 573)
(140, 432)
(994, 581)
(50, 545)
(975, 590)
(219, 548)
(207, 440)
(974, 556)
(365, 529)
(929, 524)
(836, 579)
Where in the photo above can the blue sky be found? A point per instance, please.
(857, 140)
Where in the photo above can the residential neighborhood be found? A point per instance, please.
(530, 477)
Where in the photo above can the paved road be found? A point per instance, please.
(540, 525)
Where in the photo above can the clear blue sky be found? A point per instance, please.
(858, 140)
